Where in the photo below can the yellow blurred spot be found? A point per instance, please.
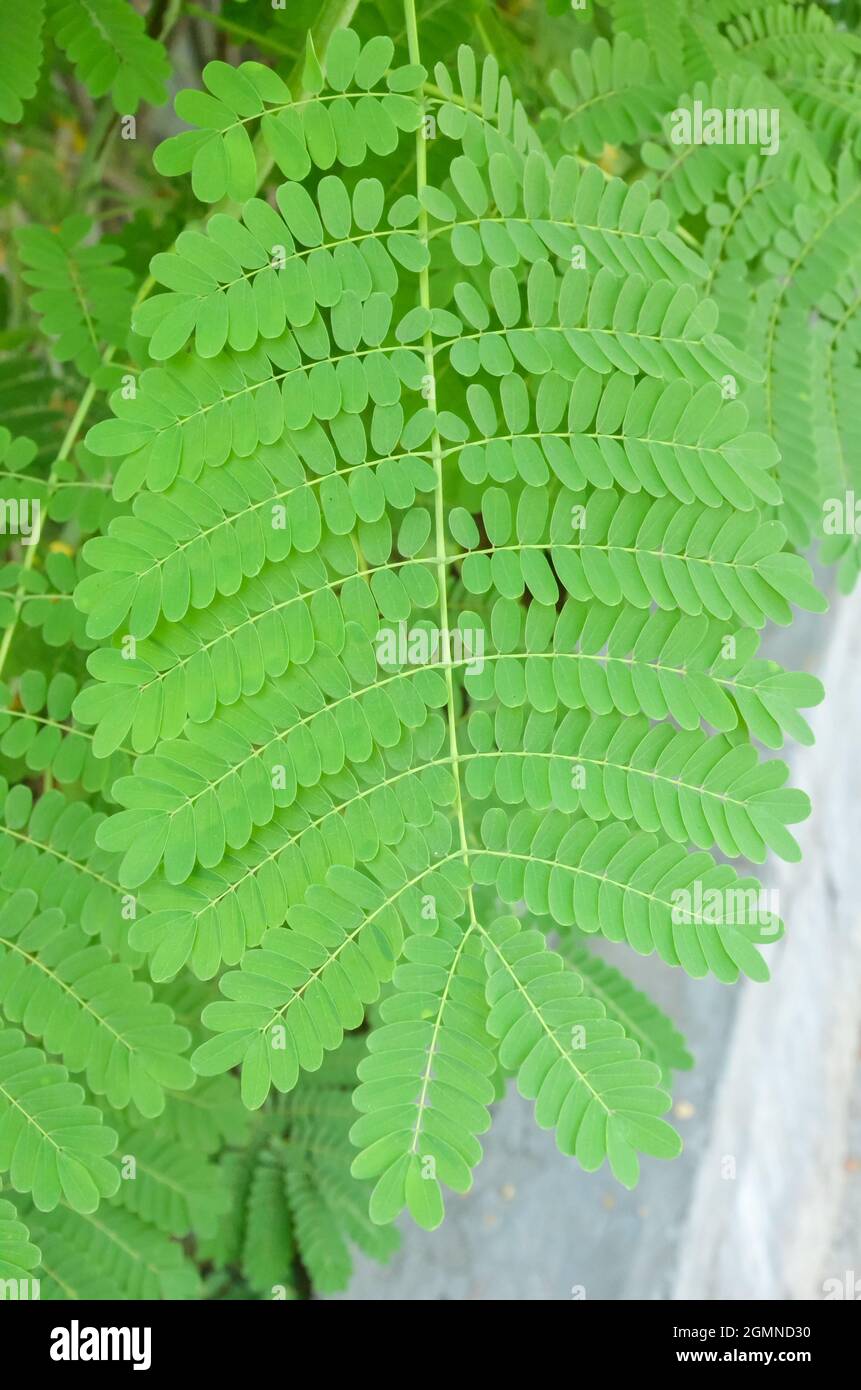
(610, 159)
(683, 1109)
(61, 548)
(508, 1192)
(73, 129)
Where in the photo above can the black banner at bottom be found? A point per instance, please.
(64, 1339)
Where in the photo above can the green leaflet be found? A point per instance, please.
(83, 296)
(107, 42)
(42, 734)
(584, 1074)
(18, 1257)
(52, 1144)
(631, 888)
(365, 111)
(111, 1256)
(21, 45)
(171, 1188)
(611, 96)
(51, 847)
(426, 1082)
(87, 1009)
(710, 791)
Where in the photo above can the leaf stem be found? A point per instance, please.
(69, 439)
(238, 31)
(436, 448)
(65, 449)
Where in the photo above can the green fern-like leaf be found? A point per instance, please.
(426, 1083)
(414, 573)
(88, 1009)
(50, 849)
(35, 726)
(169, 1187)
(612, 96)
(107, 42)
(544, 460)
(84, 297)
(585, 1075)
(110, 1255)
(360, 112)
(52, 1143)
(268, 1250)
(19, 1258)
